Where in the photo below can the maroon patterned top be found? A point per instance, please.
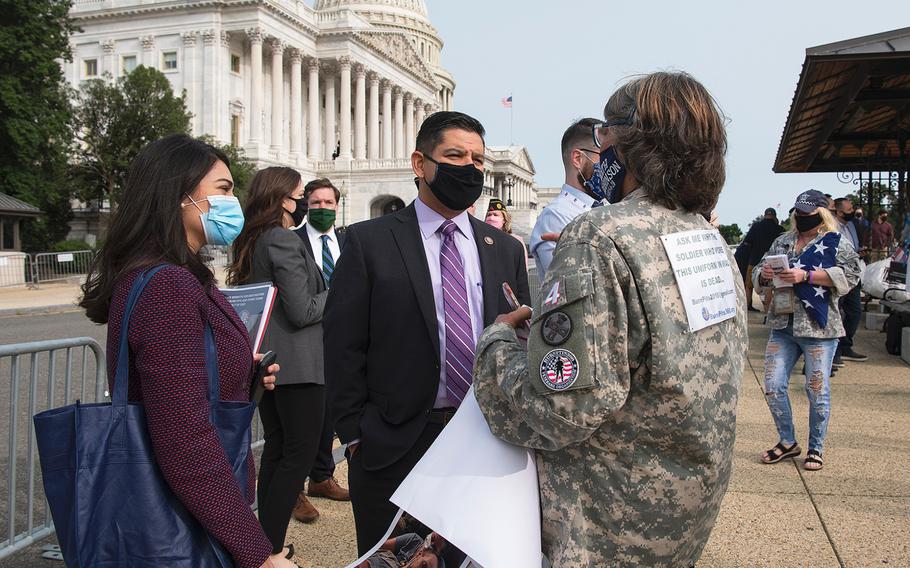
(167, 374)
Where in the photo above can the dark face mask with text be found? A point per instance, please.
(300, 213)
(456, 187)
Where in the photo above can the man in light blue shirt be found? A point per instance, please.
(579, 154)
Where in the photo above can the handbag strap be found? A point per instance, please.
(121, 378)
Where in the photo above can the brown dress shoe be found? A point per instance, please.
(328, 489)
(304, 511)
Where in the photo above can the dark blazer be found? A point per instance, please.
(294, 332)
(381, 337)
(760, 236)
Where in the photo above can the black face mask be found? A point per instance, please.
(300, 213)
(849, 216)
(456, 187)
(808, 222)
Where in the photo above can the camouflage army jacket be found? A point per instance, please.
(845, 275)
(633, 454)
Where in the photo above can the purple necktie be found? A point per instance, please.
(459, 331)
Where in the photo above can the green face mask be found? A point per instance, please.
(321, 219)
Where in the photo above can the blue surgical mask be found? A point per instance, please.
(609, 173)
(224, 219)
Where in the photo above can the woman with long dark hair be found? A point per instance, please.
(178, 197)
(292, 415)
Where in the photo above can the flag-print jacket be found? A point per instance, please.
(844, 274)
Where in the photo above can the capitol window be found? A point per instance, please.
(91, 67)
(235, 63)
(128, 63)
(169, 61)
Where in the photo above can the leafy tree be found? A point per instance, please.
(242, 169)
(731, 233)
(35, 113)
(115, 120)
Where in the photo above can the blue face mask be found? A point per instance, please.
(609, 173)
(224, 220)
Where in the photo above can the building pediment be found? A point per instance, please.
(523, 159)
(400, 50)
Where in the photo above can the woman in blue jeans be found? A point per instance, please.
(804, 319)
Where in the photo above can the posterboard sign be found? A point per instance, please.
(65, 257)
(477, 492)
(704, 276)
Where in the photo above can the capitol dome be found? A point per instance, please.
(407, 16)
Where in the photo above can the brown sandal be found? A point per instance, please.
(780, 452)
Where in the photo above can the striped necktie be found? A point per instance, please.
(459, 331)
(328, 264)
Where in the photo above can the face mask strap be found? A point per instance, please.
(193, 201)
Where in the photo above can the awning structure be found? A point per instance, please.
(851, 114)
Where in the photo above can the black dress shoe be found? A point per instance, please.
(850, 355)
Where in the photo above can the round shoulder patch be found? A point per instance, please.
(559, 369)
(556, 328)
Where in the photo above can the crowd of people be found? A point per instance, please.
(383, 328)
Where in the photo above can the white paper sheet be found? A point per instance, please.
(478, 492)
(704, 276)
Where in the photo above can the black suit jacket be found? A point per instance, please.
(381, 338)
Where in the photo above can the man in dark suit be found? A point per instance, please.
(759, 238)
(410, 295)
(323, 243)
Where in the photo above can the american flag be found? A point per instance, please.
(507, 102)
(814, 297)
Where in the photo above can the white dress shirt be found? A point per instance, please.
(316, 244)
(429, 222)
(569, 204)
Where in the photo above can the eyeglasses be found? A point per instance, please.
(598, 130)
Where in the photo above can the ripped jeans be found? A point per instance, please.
(781, 354)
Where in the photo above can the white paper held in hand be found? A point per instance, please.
(779, 263)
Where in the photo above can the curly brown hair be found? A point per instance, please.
(676, 142)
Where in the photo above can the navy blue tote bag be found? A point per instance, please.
(110, 503)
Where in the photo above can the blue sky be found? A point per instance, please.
(562, 59)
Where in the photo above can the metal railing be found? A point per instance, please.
(57, 266)
(15, 269)
(41, 376)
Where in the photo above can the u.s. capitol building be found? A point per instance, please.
(337, 89)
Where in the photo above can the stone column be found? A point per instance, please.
(387, 150)
(409, 134)
(255, 36)
(360, 113)
(399, 123)
(210, 39)
(452, 100)
(296, 59)
(345, 104)
(189, 77)
(222, 88)
(421, 116)
(109, 63)
(373, 146)
(277, 94)
(148, 51)
(331, 104)
(315, 142)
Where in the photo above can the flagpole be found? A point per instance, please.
(511, 113)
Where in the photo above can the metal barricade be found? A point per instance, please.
(15, 269)
(41, 376)
(59, 266)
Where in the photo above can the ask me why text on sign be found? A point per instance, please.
(704, 276)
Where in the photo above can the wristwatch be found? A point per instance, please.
(805, 275)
